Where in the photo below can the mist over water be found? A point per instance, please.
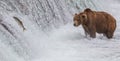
(50, 34)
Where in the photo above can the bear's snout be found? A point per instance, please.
(74, 24)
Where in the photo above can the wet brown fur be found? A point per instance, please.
(96, 21)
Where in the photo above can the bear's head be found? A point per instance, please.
(79, 19)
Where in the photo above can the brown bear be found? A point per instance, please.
(96, 21)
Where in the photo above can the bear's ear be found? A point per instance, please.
(76, 14)
(84, 16)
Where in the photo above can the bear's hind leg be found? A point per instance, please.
(109, 35)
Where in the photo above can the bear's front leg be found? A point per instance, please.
(86, 34)
(92, 32)
(86, 31)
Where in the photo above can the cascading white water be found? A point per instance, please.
(39, 17)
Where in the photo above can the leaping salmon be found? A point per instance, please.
(19, 23)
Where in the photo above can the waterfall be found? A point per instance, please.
(38, 17)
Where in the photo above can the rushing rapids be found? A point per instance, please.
(28, 31)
